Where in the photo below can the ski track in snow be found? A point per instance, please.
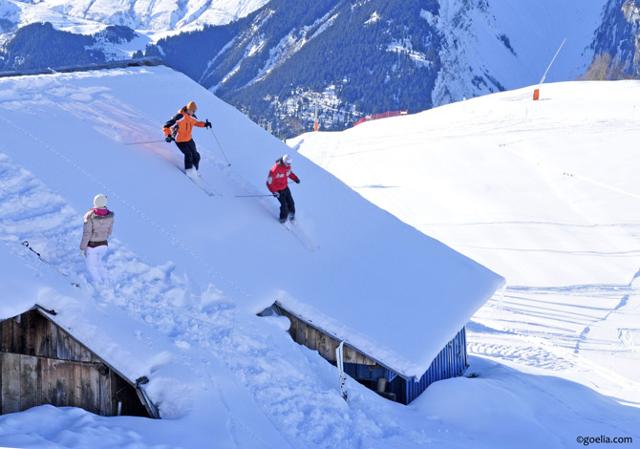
(300, 407)
(545, 333)
(548, 329)
(587, 332)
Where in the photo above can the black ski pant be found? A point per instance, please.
(191, 155)
(287, 206)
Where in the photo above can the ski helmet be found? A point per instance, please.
(192, 106)
(286, 160)
(100, 201)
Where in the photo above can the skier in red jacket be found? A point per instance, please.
(277, 183)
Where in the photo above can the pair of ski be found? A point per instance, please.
(198, 181)
(289, 224)
(300, 235)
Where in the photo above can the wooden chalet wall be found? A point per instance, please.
(313, 338)
(41, 363)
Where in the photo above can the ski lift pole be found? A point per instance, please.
(536, 92)
(220, 146)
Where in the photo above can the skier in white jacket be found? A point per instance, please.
(98, 224)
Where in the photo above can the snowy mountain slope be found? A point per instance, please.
(544, 192)
(615, 44)
(493, 46)
(342, 60)
(519, 150)
(91, 16)
(116, 30)
(189, 267)
(284, 62)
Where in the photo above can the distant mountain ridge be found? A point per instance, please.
(288, 59)
(287, 63)
(617, 42)
(152, 17)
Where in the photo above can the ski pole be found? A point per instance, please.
(220, 146)
(252, 196)
(27, 245)
(144, 142)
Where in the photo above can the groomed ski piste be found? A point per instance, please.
(189, 272)
(545, 193)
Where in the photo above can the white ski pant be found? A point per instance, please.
(94, 264)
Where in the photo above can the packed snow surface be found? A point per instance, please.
(188, 272)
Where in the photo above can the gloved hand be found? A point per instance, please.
(276, 194)
(297, 181)
(207, 123)
(168, 139)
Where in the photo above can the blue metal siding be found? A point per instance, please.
(450, 362)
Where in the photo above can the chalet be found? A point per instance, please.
(399, 335)
(59, 347)
(451, 361)
(41, 362)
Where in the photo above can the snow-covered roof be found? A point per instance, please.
(346, 265)
(123, 343)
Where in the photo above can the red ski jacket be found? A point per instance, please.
(278, 177)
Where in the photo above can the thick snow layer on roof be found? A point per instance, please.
(109, 332)
(182, 379)
(348, 266)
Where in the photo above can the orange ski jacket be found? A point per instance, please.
(180, 126)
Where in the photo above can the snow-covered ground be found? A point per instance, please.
(193, 269)
(545, 193)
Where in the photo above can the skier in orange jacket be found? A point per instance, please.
(179, 128)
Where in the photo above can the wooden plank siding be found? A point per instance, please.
(313, 338)
(42, 363)
(33, 334)
(28, 381)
